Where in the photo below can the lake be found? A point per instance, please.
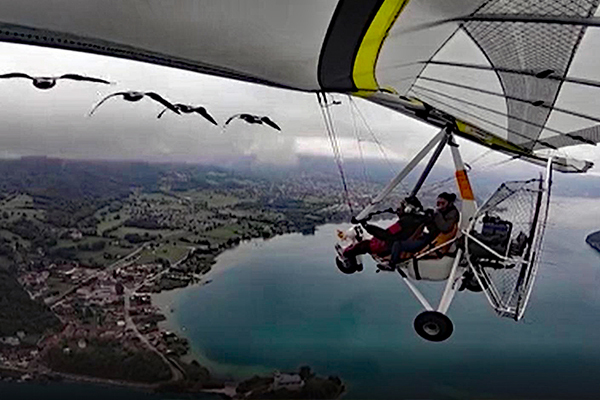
(281, 303)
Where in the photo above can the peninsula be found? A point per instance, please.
(593, 240)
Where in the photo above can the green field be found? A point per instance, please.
(224, 232)
(12, 237)
(163, 201)
(17, 201)
(170, 252)
(18, 206)
(213, 199)
(55, 284)
(124, 230)
(95, 257)
(108, 221)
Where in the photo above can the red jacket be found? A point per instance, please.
(377, 246)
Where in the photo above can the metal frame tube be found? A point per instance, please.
(402, 174)
(443, 138)
(488, 249)
(451, 286)
(417, 293)
(430, 164)
(547, 185)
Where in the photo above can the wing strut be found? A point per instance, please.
(437, 139)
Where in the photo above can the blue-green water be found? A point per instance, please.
(282, 303)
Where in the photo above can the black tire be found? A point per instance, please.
(344, 267)
(433, 326)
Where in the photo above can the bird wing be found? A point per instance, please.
(202, 111)
(16, 75)
(270, 122)
(76, 77)
(162, 113)
(231, 119)
(157, 97)
(104, 99)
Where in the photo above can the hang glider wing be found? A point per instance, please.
(518, 76)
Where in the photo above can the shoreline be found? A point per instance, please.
(166, 301)
(593, 240)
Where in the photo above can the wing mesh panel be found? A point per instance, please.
(530, 46)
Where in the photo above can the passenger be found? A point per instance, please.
(443, 220)
(381, 243)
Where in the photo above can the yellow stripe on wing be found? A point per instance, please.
(363, 73)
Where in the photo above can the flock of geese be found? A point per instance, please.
(48, 82)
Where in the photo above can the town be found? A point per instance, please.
(79, 273)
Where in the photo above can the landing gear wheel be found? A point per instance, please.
(433, 326)
(344, 267)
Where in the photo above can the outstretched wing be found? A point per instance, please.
(161, 100)
(270, 122)
(202, 111)
(76, 77)
(231, 119)
(104, 99)
(162, 113)
(15, 75)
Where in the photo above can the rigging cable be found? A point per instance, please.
(334, 146)
(358, 140)
(485, 168)
(378, 143)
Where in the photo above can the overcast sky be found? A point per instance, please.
(55, 122)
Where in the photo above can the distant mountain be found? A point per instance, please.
(379, 171)
(593, 240)
(76, 179)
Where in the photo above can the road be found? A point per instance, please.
(177, 373)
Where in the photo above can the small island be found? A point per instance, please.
(593, 240)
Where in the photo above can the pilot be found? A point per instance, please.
(443, 220)
(409, 220)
